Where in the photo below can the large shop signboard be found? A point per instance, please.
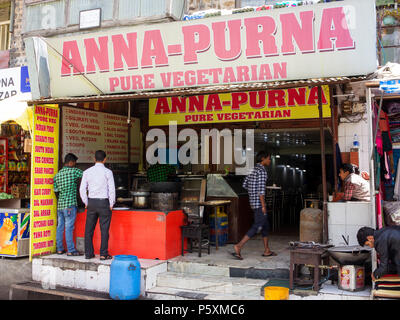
(44, 167)
(332, 39)
(279, 104)
(85, 131)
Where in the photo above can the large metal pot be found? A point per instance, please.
(165, 187)
(140, 199)
(350, 255)
(163, 201)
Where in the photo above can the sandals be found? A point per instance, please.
(106, 257)
(61, 252)
(269, 255)
(237, 256)
(74, 254)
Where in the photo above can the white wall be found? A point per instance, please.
(346, 133)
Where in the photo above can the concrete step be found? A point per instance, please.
(166, 293)
(248, 272)
(93, 274)
(207, 287)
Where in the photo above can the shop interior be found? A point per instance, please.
(15, 175)
(294, 177)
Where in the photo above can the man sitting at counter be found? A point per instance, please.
(356, 188)
(386, 242)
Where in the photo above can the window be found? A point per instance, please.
(253, 3)
(46, 15)
(5, 9)
(79, 5)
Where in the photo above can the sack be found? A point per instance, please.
(391, 210)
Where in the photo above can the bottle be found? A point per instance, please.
(356, 143)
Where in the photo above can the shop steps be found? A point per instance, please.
(189, 286)
(93, 274)
(226, 270)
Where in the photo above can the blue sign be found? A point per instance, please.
(390, 86)
(25, 84)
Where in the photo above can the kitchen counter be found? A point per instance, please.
(145, 233)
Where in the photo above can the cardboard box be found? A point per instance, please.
(27, 145)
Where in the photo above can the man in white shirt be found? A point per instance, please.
(97, 192)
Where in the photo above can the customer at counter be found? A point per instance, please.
(356, 188)
(65, 187)
(97, 192)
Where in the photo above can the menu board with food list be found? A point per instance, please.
(85, 131)
(44, 167)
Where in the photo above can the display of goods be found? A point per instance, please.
(4, 196)
(12, 166)
(19, 190)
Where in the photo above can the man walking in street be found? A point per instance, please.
(65, 185)
(97, 192)
(255, 184)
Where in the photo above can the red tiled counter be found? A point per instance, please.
(146, 234)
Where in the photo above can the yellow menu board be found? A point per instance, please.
(43, 169)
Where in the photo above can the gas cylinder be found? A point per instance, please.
(311, 225)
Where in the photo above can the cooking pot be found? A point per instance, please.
(140, 199)
(350, 255)
(165, 187)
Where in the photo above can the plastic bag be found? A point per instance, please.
(391, 210)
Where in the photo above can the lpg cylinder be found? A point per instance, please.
(125, 278)
(311, 225)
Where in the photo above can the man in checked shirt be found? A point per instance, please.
(66, 185)
(356, 188)
(255, 184)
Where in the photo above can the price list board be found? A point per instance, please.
(44, 167)
(85, 131)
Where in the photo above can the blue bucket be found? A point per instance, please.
(125, 278)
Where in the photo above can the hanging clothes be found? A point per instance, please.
(378, 204)
(377, 168)
(339, 163)
(396, 191)
(375, 124)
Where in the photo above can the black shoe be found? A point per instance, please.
(89, 257)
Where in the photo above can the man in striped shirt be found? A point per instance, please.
(255, 184)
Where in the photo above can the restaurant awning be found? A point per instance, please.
(17, 109)
(202, 90)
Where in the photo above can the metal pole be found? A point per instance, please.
(334, 140)
(325, 196)
(371, 149)
(129, 145)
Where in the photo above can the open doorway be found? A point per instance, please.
(295, 175)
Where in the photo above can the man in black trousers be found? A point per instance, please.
(97, 192)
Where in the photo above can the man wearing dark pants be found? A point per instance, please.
(97, 191)
(255, 184)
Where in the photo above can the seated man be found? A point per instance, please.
(356, 188)
(386, 242)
